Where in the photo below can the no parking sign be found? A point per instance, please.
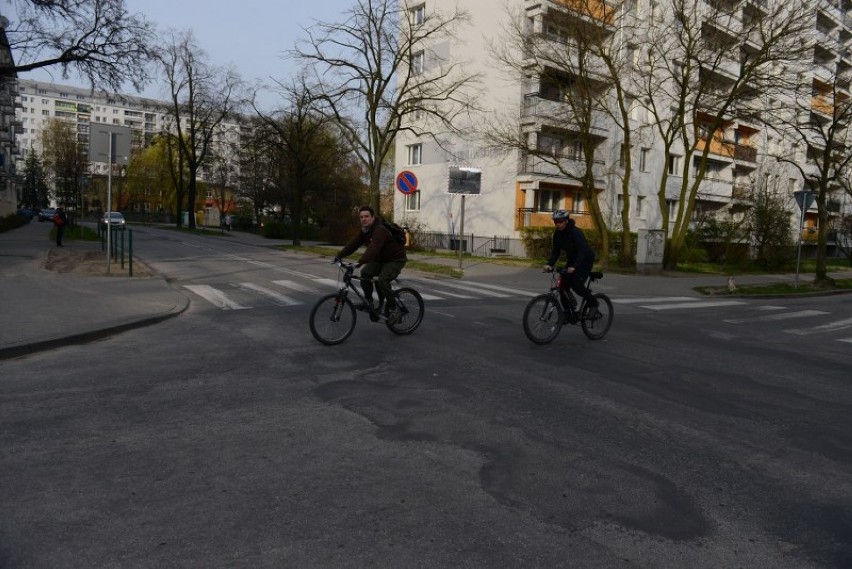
(406, 182)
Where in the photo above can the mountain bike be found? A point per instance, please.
(334, 315)
(546, 313)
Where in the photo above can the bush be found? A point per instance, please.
(282, 230)
(537, 241)
(12, 221)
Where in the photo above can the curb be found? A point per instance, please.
(86, 337)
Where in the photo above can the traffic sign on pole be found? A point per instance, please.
(406, 182)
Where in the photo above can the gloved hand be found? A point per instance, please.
(337, 260)
(548, 269)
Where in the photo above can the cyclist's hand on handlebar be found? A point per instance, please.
(337, 261)
(548, 269)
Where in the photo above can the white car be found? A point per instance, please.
(113, 219)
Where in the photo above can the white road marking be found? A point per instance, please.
(279, 298)
(215, 297)
(646, 299)
(773, 317)
(697, 304)
(830, 327)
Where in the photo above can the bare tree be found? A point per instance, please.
(581, 85)
(65, 162)
(379, 67)
(98, 39)
(709, 64)
(817, 120)
(202, 97)
(301, 136)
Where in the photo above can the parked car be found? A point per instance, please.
(27, 212)
(46, 214)
(113, 219)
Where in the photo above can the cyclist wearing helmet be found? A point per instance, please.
(570, 238)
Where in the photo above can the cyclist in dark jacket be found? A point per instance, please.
(384, 258)
(570, 238)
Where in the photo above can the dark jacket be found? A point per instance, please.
(381, 246)
(573, 242)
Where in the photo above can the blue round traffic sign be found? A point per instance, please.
(406, 182)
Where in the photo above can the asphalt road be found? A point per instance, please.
(693, 435)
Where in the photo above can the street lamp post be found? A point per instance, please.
(804, 198)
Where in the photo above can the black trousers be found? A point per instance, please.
(577, 282)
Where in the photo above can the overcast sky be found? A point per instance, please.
(251, 34)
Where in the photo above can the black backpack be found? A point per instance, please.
(397, 232)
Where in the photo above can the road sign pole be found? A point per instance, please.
(461, 231)
(799, 254)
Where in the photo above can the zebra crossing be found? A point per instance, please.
(757, 314)
(302, 288)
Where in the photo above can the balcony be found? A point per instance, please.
(539, 110)
(569, 168)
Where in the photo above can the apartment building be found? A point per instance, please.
(38, 102)
(520, 189)
(9, 127)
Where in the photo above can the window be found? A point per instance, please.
(579, 205)
(549, 200)
(412, 201)
(415, 154)
(674, 164)
(640, 207)
(622, 155)
(643, 159)
(672, 206)
(418, 14)
(417, 62)
(45, 112)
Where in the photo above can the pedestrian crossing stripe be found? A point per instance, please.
(647, 299)
(276, 297)
(693, 304)
(830, 327)
(773, 317)
(215, 297)
(292, 285)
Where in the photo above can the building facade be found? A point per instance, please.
(585, 155)
(40, 102)
(10, 127)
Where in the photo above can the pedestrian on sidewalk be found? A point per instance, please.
(59, 221)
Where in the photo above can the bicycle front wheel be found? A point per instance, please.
(543, 319)
(332, 319)
(410, 304)
(595, 326)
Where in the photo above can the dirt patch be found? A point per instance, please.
(93, 263)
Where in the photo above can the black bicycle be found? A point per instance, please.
(333, 317)
(546, 313)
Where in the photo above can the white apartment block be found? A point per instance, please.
(38, 102)
(41, 101)
(520, 191)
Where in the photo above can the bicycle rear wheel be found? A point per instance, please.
(410, 303)
(543, 319)
(595, 327)
(332, 319)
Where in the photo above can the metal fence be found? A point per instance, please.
(474, 244)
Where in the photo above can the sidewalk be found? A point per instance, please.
(41, 309)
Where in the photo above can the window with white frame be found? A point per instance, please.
(644, 153)
(418, 14)
(549, 200)
(418, 62)
(672, 207)
(579, 205)
(412, 201)
(674, 164)
(415, 154)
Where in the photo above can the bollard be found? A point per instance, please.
(130, 251)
